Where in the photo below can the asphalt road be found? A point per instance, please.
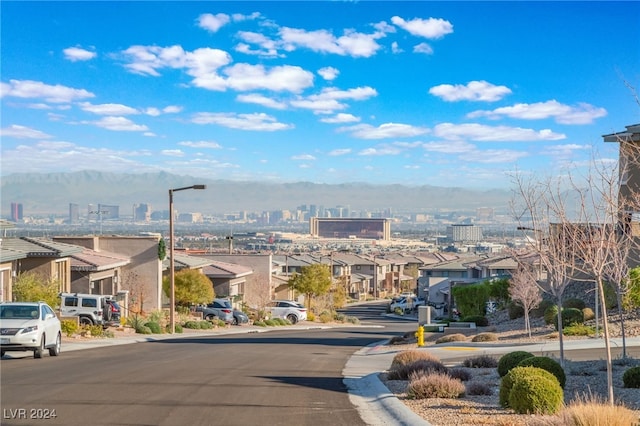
(278, 378)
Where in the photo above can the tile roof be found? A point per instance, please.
(37, 247)
(219, 269)
(91, 260)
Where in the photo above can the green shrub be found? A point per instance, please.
(94, 330)
(588, 314)
(339, 317)
(259, 323)
(193, 325)
(485, 337)
(154, 327)
(515, 311)
(536, 395)
(480, 361)
(546, 364)
(515, 374)
(457, 337)
(423, 366)
(551, 315)
(539, 311)
(177, 328)
(510, 360)
(574, 303)
(353, 320)
(480, 320)
(69, 327)
(205, 325)
(579, 330)
(270, 323)
(631, 378)
(143, 329)
(281, 321)
(435, 385)
(571, 316)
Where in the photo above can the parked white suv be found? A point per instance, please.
(29, 326)
(287, 309)
(92, 309)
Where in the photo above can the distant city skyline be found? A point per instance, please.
(380, 92)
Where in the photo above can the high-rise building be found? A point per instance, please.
(376, 229)
(16, 212)
(74, 213)
(142, 212)
(464, 233)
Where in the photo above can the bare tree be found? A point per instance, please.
(524, 289)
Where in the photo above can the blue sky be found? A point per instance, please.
(416, 93)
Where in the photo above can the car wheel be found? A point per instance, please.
(86, 321)
(55, 351)
(1, 354)
(292, 318)
(210, 317)
(235, 321)
(39, 351)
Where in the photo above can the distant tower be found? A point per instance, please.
(16, 212)
(74, 213)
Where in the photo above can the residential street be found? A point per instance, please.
(275, 378)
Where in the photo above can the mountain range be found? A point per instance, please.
(51, 193)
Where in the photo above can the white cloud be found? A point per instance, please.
(23, 132)
(564, 151)
(267, 46)
(255, 98)
(423, 48)
(257, 122)
(108, 109)
(328, 73)
(340, 151)
(75, 54)
(492, 156)
(280, 78)
(172, 109)
(395, 48)
(213, 23)
(432, 28)
(29, 89)
(387, 130)
(449, 147)
(480, 132)
(303, 157)
(582, 113)
(381, 150)
(340, 118)
(473, 91)
(119, 124)
(350, 44)
(172, 152)
(201, 144)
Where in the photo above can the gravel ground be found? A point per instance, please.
(583, 379)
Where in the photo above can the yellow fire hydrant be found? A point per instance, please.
(420, 336)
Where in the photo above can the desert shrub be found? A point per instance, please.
(259, 323)
(578, 330)
(485, 337)
(423, 367)
(193, 325)
(574, 303)
(457, 337)
(135, 321)
(325, 316)
(398, 311)
(94, 330)
(339, 317)
(480, 320)
(411, 356)
(154, 327)
(515, 374)
(571, 316)
(205, 325)
(588, 314)
(280, 321)
(271, 322)
(69, 327)
(536, 395)
(510, 360)
(397, 340)
(143, 329)
(460, 374)
(177, 328)
(515, 311)
(352, 320)
(481, 361)
(539, 311)
(478, 388)
(311, 316)
(592, 412)
(551, 315)
(631, 377)
(548, 364)
(435, 385)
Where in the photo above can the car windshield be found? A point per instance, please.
(22, 312)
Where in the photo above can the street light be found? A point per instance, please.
(172, 282)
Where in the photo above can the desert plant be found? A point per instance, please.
(270, 323)
(311, 316)
(259, 323)
(423, 367)
(574, 303)
(485, 337)
(193, 325)
(397, 340)
(515, 311)
(510, 360)
(515, 374)
(339, 317)
(551, 315)
(631, 377)
(69, 327)
(478, 388)
(481, 361)
(457, 337)
(352, 320)
(536, 394)
(325, 317)
(579, 330)
(547, 364)
(94, 330)
(434, 385)
(177, 328)
(143, 329)
(570, 316)
(410, 356)
(590, 411)
(479, 320)
(460, 374)
(588, 314)
(541, 309)
(154, 327)
(205, 325)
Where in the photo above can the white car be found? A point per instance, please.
(29, 326)
(406, 303)
(287, 309)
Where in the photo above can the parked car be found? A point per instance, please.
(287, 309)
(218, 309)
(239, 317)
(29, 326)
(406, 303)
(92, 309)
